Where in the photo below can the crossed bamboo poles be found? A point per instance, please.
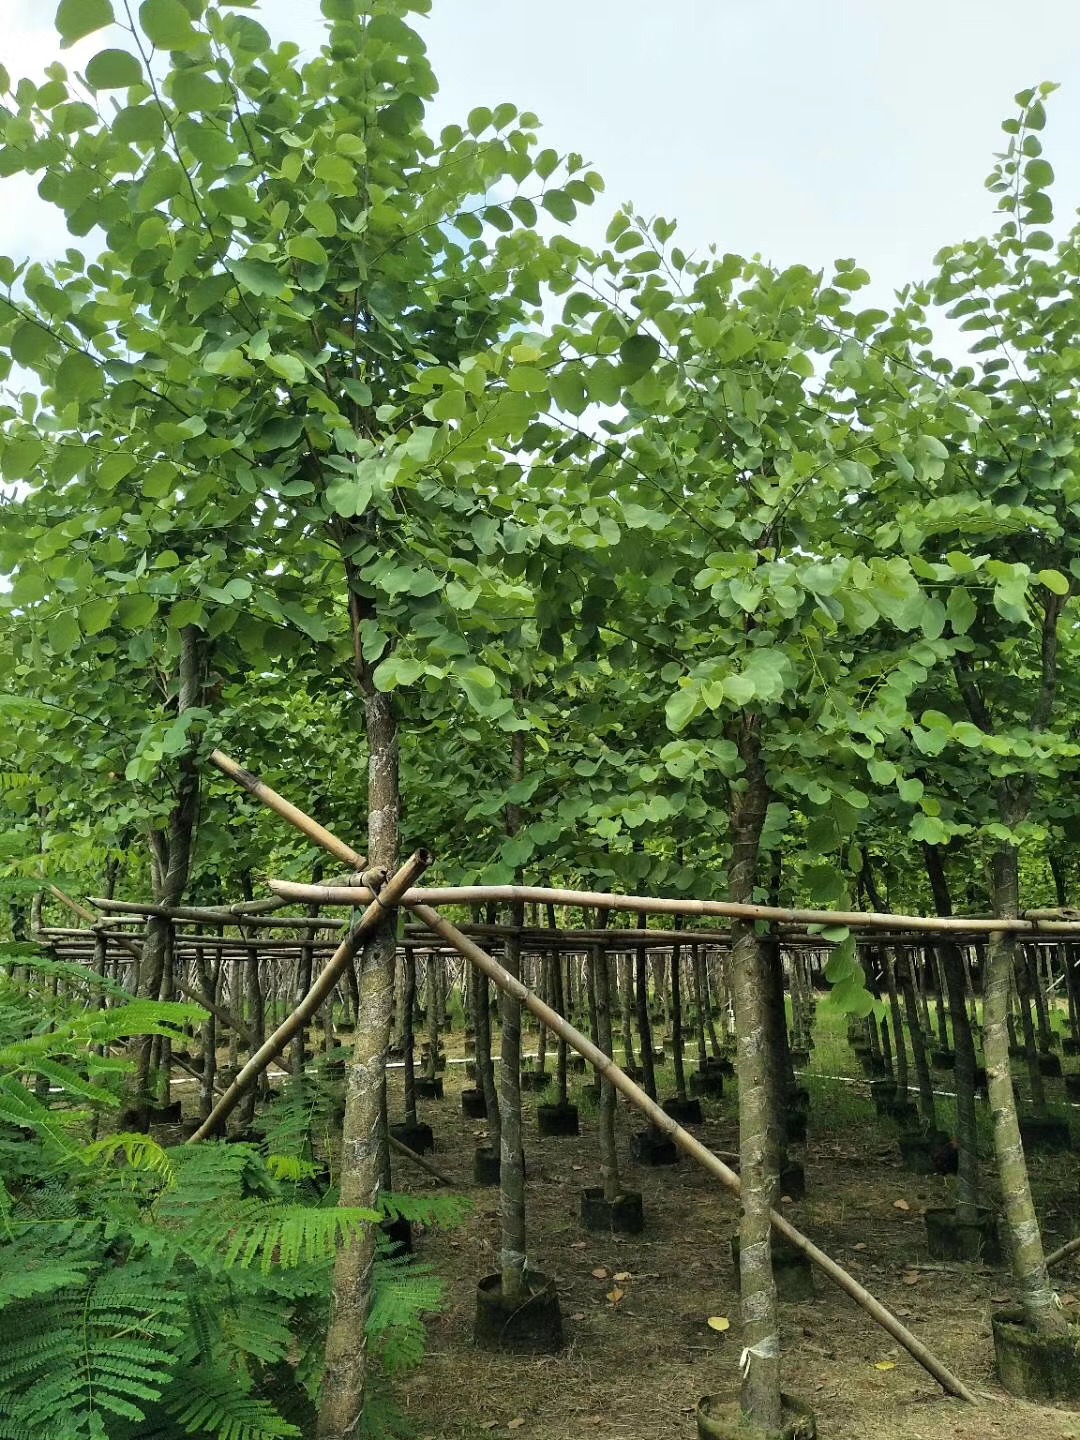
(384, 894)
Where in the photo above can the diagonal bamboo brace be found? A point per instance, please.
(273, 801)
(378, 911)
(693, 1147)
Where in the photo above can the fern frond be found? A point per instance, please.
(138, 1151)
(74, 1358)
(214, 1401)
(431, 1210)
(270, 1234)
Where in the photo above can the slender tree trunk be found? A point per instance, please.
(626, 1005)
(408, 1041)
(1041, 1307)
(363, 1143)
(609, 1159)
(918, 1041)
(760, 1399)
(171, 857)
(641, 997)
(512, 1260)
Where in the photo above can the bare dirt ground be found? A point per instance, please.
(639, 1351)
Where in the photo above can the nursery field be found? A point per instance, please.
(634, 1367)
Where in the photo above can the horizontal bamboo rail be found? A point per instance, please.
(687, 1142)
(653, 905)
(130, 911)
(377, 912)
(273, 801)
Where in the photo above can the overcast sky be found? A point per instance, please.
(800, 129)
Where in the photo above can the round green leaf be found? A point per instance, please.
(76, 18)
(113, 70)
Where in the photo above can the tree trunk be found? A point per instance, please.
(609, 1159)
(363, 1142)
(760, 1398)
(1041, 1307)
(171, 857)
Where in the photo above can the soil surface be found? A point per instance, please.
(639, 1349)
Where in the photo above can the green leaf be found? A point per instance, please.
(258, 276)
(77, 377)
(289, 367)
(1053, 580)
(559, 205)
(681, 707)
(64, 632)
(76, 18)
(638, 353)
(113, 70)
(167, 24)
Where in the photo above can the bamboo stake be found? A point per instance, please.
(403, 1149)
(382, 906)
(311, 828)
(651, 905)
(687, 1142)
(1056, 1256)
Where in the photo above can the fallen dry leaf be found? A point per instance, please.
(910, 1278)
(517, 1422)
(885, 1365)
(622, 1275)
(577, 1244)
(900, 1205)
(616, 1295)
(719, 1322)
(860, 1246)
(599, 1273)
(578, 1315)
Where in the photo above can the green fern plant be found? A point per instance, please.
(178, 1293)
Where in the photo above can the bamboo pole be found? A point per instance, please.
(381, 907)
(128, 911)
(403, 1149)
(651, 905)
(687, 1142)
(270, 798)
(1056, 1256)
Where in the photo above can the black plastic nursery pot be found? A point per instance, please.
(622, 1216)
(707, 1082)
(473, 1104)
(1072, 1086)
(793, 1180)
(417, 1138)
(883, 1094)
(1036, 1367)
(948, 1239)
(399, 1233)
(683, 1111)
(535, 1080)
(429, 1087)
(558, 1119)
(792, 1270)
(164, 1114)
(576, 1064)
(795, 1126)
(1045, 1133)
(486, 1166)
(1069, 1046)
(1049, 1065)
(943, 1059)
(526, 1324)
(919, 1151)
(654, 1148)
(719, 1417)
